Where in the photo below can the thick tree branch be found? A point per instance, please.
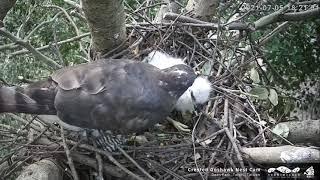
(203, 9)
(279, 16)
(282, 154)
(299, 16)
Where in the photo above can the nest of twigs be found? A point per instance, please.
(218, 129)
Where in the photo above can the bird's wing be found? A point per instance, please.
(90, 77)
(117, 95)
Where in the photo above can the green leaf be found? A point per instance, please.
(260, 93)
(206, 68)
(58, 2)
(254, 76)
(281, 130)
(289, 106)
(273, 97)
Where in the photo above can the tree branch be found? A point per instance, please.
(203, 9)
(48, 46)
(73, 24)
(273, 33)
(30, 48)
(74, 4)
(299, 16)
(280, 16)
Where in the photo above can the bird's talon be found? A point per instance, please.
(179, 125)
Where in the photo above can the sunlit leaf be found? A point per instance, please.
(289, 106)
(273, 97)
(254, 76)
(260, 93)
(281, 130)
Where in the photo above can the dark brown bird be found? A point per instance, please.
(120, 95)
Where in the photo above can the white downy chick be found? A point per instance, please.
(162, 60)
(200, 89)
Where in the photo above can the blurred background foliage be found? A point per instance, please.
(20, 21)
(294, 53)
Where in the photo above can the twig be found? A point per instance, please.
(109, 156)
(30, 48)
(68, 154)
(74, 4)
(42, 24)
(235, 147)
(16, 167)
(107, 168)
(99, 162)
(172, 173)
(259, 120)
(185, 19)
(73, 24)
(135, 163)
(226, 113)
(48, 46)
(273, 33)
(194, 146)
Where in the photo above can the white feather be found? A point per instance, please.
(162, 60)
(185, 103)
(201, 87)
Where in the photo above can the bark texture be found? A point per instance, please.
(45, 169)
(106, 20)
(171, 6)
(304, 131)
(203, 9)
(282, 154)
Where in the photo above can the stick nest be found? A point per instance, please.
(219, 129)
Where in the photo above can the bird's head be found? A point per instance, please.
(196, 90)
(177, 79)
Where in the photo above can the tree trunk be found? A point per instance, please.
(5, 6)
(106, 20)
(203, 9)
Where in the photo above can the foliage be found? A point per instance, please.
(21, 20)
(252, 93)
(295, 53)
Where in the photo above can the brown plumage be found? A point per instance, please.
(123, 96)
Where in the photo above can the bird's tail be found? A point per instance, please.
(37, 98)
